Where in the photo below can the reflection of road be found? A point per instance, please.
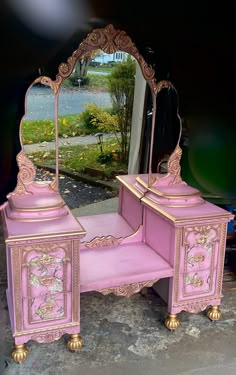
(40, 102)
(69, 141)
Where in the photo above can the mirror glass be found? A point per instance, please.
(167, 129)
(38, 129)
(95, 114)
(107, 93)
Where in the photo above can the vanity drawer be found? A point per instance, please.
(46, 272)
(196, 284)
(47, 310)
(200, 248)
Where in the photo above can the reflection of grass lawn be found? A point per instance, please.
(78, 158)
(36, 131)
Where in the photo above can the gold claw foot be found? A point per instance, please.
(75, 342)
(172, 322)
(20, 353)
(214, 313)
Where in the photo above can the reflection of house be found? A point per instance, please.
(105, 58)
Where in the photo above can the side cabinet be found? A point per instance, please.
(43, 289)
(43, 281)
(199, 263)
(192, 240)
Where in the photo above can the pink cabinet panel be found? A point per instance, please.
(130, 208)
(47, 310)
(195, 283)
(200, 248)
(196, 273)
(46, 269)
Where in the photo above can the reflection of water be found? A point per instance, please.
(40, 102)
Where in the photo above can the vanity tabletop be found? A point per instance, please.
(67, 225)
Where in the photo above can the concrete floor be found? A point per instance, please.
(128, 337)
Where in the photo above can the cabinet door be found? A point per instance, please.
(198, 260)
(47, 283)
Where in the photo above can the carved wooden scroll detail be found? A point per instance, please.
(103, 241)
(128, 290)
(173, 165)
(109, 40)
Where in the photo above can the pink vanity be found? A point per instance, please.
(164, 235)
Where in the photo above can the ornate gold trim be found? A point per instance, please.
(44, 248)
(178, 240)
(16, 269)
(33, 220)
(48, 337)
(33, 209)
(203, 230)
(173, 205)
(164, 84)
(40, 237)
(143, 183)
(159, 193)
(50, 328)
(195, 307)
(104, 241)
(203, 241)
(173, 165)
(220, 270)
(205, 300)
(128, 290)
(129, 187)
(75, 281)
(26, 174)
(46, 81)
(109, 40)
(155, 207)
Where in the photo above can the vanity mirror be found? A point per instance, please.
(39, 123)
(163, 235)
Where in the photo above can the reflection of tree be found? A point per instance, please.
(121, 87)
(81, 67)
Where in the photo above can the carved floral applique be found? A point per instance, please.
(46, 310)
(195, 260)
(34, 280)
(194, 280)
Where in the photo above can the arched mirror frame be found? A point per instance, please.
(27, 170)
(109, 40)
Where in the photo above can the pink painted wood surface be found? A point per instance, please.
(47, 335)
(46, 311)
(206, 211)
(124, 264)
(36, 202)
(131, 209)
(194, 306)
(67, 225)
(39, 278)
(188, 201)
(159, 234)
(195, 256)
(111, 224)
(196, 284)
